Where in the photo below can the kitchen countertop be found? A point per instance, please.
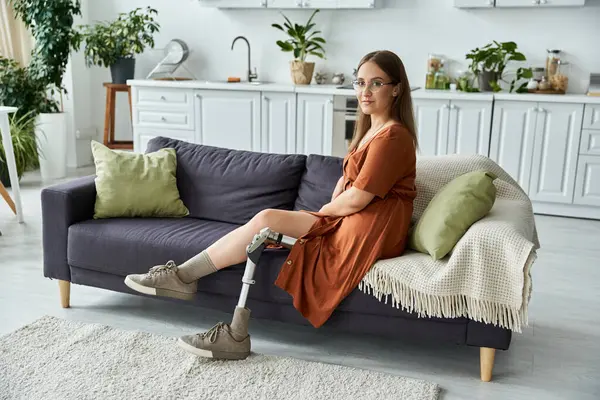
(336, 91)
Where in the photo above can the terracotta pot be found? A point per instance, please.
(302, 72)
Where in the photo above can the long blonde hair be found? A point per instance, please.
(401, 109)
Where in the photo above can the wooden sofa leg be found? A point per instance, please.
(486, 358)
(65, 293)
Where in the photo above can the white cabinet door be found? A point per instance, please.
(228, 118)
(554, 164)
(511, 144)
(539, 3)
(314, 130)
(234, 3)
(431, 118)
(591, 118)
(474, 3)
(319, 3)
(285, 3)
(470, 124)
(587, 186)
(278, 123)
(359, 3)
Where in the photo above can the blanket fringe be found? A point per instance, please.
(380, 285)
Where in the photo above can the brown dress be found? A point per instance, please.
(327, 263)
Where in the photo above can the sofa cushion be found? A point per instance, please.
(123, 246)
(318, 182)
(233, 185)
(130, 184)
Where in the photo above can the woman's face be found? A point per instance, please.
(374, 90)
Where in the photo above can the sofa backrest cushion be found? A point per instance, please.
(232, 185)
(318, 182)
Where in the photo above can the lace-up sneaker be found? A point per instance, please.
(222, 341)
(162, 280)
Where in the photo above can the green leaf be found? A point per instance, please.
(278, 27)
(285, 46)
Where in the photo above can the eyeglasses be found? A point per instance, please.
(373, 86)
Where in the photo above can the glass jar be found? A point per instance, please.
(560, 80)
(441, 81)
(538, 73)
(434, 62)
(552, 59)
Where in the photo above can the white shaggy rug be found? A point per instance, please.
(57, 359)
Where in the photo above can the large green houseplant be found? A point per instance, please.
(302, 42)
(34, 88)
(489, 64)
(114, 44)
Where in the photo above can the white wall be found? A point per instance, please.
(411, 28)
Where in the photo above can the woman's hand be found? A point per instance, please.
(339, 188)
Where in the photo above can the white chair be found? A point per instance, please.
(10, 162)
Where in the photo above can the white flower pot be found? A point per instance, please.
(51, 136)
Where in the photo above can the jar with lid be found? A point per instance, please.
(441, 80)
(560, 80)
(552, 59)
(544, 84)
(434, 62)
(538, 72)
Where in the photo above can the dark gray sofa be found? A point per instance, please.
(223, 189)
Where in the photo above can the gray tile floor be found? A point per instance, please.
(556, 357)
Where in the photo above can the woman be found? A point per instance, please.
(367, 219)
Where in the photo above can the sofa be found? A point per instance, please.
(223, 189)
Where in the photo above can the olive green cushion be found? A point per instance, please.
(458, 205)
(131, 184)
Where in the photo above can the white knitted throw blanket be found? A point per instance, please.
(486, 277)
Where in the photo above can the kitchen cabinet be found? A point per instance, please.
(591, 118)
(453, 126)
(474, 3)
(278, 123)
(539, 3)
(587, 186)
(314, 124)
(235, 3)
(555, 151)
(230, 119)
(512, 139)
(286, 4)
(537, 143)
(431, 120)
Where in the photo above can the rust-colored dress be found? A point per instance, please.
(327, 263)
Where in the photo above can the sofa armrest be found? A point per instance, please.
(64, 204)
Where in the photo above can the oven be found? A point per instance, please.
(345, 112)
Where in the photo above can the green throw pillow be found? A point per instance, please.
(458, 205)
(131, 184)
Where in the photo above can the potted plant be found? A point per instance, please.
(489, 63)
(114, 44)
(35, 86)
(22, 130)
(302, 43)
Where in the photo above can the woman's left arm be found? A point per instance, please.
(348, 202)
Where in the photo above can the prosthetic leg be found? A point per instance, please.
(254, 250)
(232, 341)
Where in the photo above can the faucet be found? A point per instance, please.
(251, 75)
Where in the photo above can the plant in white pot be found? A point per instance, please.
(114, 44)
(51, 24)
(302, 43)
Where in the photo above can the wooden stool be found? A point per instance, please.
(109, 116)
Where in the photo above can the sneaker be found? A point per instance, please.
(222, 341)
(162, 280)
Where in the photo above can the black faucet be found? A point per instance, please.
(251, 75)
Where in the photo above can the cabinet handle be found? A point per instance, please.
(536, 1)
(163, 119)
(263, 3)
(445, 107)
(453, 107)
(543, 1)
(534, 109)
(299, 3)
(163, 98)
(198, 96)
(541, 109)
